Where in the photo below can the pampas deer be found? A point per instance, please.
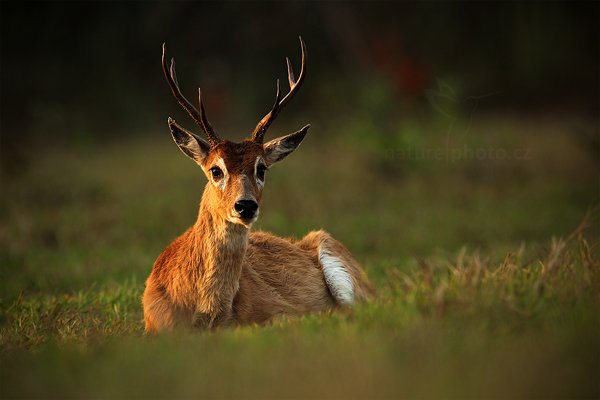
(219, 272)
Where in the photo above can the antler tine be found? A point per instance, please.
(276, 105)
(172, 72)
(205, 124)
(265, 122)
(291, 79)
(198, 117)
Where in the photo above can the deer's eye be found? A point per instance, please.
(260, 172)
(216, 173)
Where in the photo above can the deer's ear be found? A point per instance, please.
(190, 144)
(278, 149)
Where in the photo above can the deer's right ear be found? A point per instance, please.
(191, 145)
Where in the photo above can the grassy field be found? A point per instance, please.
(486, 287)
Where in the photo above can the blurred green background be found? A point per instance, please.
(448, 141)
(90, 71)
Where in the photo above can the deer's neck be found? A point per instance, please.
(222, 247)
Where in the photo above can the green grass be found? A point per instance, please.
(477, 295)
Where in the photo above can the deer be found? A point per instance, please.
(220, 272)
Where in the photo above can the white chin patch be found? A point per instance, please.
(337, 278)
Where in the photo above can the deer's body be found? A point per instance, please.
(263, 276)
(219, 272)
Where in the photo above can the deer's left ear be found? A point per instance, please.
(191, 145)
(278, 149)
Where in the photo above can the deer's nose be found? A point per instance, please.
(246, 209)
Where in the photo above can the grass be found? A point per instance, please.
(478, 295)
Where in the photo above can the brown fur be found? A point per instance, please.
(218, 272)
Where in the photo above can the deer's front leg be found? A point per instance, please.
(209, 320)
(202, 320)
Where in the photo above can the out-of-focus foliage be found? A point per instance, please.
(80, 69)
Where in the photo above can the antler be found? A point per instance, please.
(261, 128)
(198, 117)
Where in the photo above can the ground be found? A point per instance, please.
(486, 285)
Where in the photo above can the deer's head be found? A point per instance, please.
(235, 171)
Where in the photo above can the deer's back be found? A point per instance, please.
(279, 277)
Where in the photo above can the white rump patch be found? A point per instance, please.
(337, 277)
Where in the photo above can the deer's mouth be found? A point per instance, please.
(246, 221)
(245, 216)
